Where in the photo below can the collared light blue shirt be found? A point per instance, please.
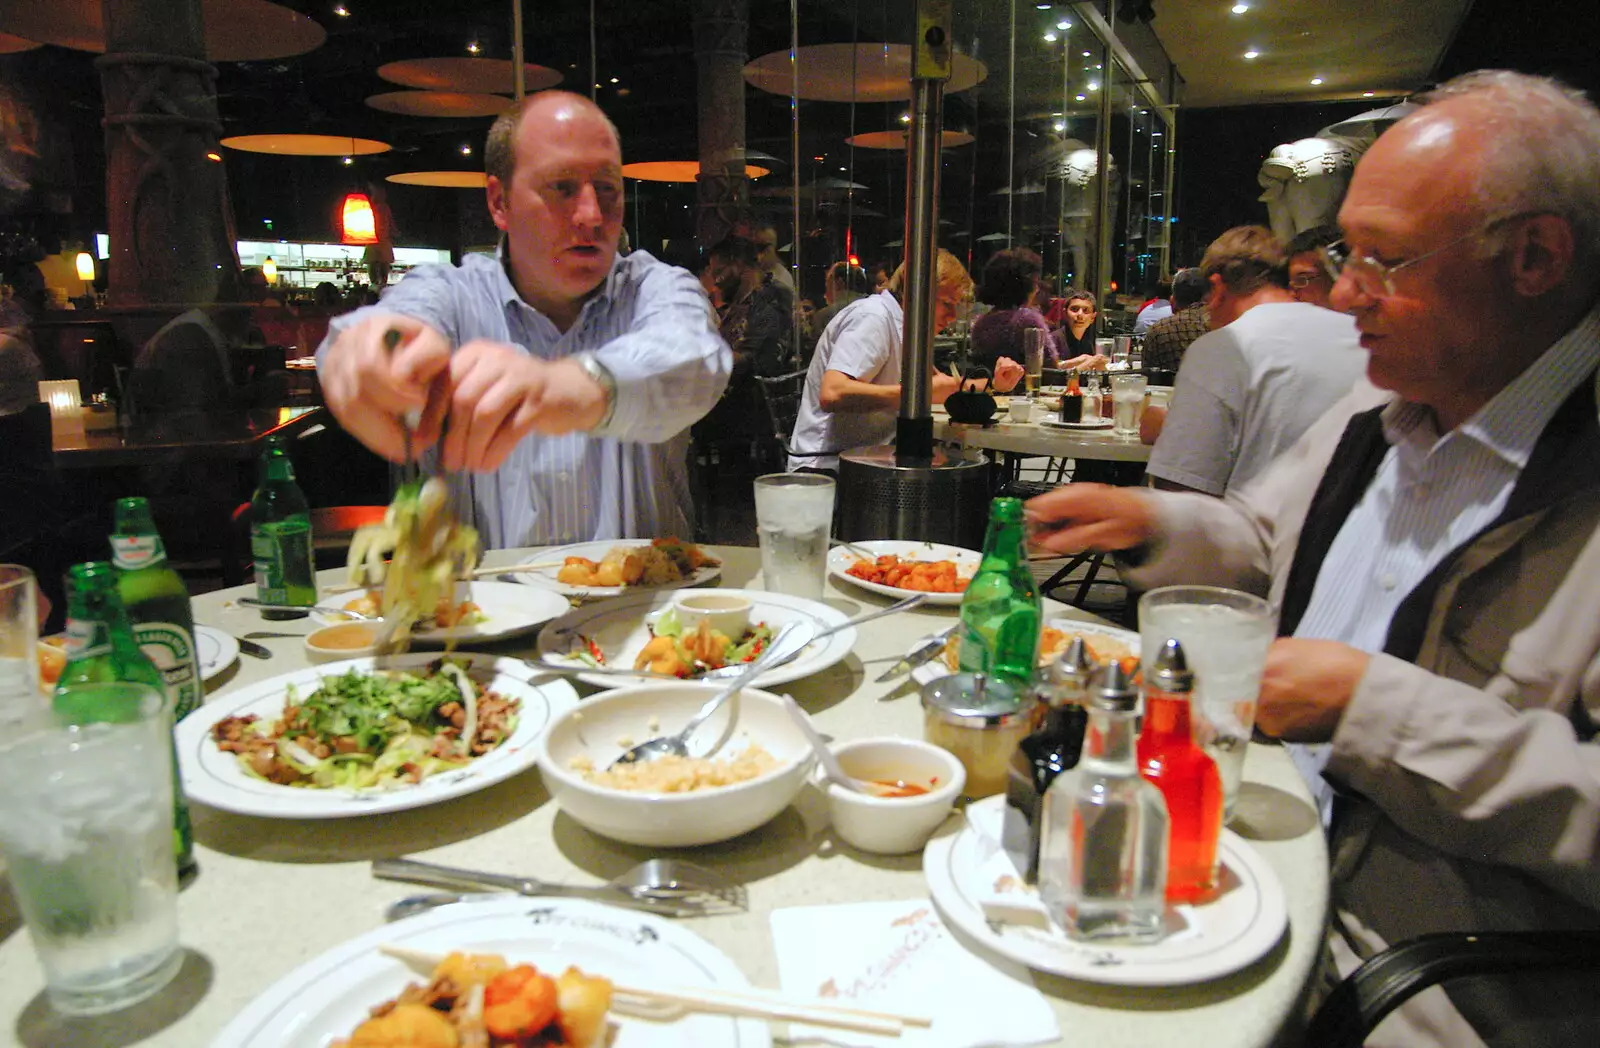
(1431, 494)
(651, 326)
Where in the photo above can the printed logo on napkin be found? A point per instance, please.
(899, 957)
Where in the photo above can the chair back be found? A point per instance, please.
(781, 394)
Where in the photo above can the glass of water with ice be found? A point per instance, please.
(20, 699)
(1225, 634)
(794, 517)
(86, 831)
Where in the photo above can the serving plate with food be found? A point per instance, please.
(899, 567)
(650, 632)
(580, 946)
(367, 736)
(476, 611)
(1104, 643)
(609, 569)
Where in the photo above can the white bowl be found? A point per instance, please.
(602, 726)
(728, 613)
(894, 825)
(331, 643)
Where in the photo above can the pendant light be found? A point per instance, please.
(358, 223)
(269, 269)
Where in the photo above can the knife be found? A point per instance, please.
(250, 647)
(923, 653)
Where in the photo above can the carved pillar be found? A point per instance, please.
(171, 225)
(721, 28)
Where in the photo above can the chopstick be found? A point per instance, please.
(513, 568)
(752, 1003)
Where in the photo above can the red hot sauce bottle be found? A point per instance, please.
(1186, 775)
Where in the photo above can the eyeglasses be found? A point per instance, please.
(1375, 279)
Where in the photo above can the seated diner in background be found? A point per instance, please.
(1075, 337)
(1010, 279)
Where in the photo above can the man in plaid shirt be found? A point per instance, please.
(1166, 340)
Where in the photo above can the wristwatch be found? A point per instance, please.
(608, 384)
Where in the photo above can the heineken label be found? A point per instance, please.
(171, 648)
(132, 552)
(80, 639)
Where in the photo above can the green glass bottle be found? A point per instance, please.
(157, 604)
(280, 536)
(1001, 611)
(101, 649)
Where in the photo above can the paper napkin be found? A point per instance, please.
(899, 957)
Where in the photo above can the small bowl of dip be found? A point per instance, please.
(914, 784)
(344, 640)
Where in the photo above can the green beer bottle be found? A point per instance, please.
(101, 649)
(157, 604)
(1000, 611)
(280, 536)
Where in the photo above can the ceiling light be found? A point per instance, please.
(348, 161)
(1252, 53)
(1082, 98)
(1316, 81)
(1050, 38)
(1058, 114)
(215, 157)
(1058, 125)
(905, 118)
(473, 48)
(1086, 54)
(466, 150)
(613, 80)
(1239, 9)
(1063, 24)
(1368, 94)
(1044, 7)
(341, 10)
(1093, 86)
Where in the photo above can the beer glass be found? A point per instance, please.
(1032, 359)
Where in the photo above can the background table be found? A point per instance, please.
(167, 439)
(273, 894)
(1033, 439)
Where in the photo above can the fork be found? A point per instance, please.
(669, 887)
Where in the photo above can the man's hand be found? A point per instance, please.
(1091, 516)
(1086, 362)
(1007, 373)
(499, 395)
(943, 385)
(370, 388)
(1306, 687)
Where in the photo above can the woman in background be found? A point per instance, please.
(1009, 282)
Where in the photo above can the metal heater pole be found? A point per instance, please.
(930, 68)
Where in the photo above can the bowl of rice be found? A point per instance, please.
(746, 765)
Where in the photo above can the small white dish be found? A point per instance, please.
(727, 613)
(890, 825)
(344, 640)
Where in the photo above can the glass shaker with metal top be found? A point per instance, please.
(1046, 753)
(980, 720)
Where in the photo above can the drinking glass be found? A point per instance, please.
(86, 831)
(794, 516)
(1122, 351)
(1032, 359)
(19, 638)
(1127, 396)
(1103, 347)
(1225, 635)
(1021, 409)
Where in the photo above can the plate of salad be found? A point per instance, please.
(634, 632)
(367, 736)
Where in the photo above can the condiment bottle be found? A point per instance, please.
(280, 536)
(101, 650)
(1185, 774)
(981, 721)
(1103, 849)
(1001, 611)
(157, 603)
(1045, 754)
(1072, 399)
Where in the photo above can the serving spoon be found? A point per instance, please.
(678, 745)
(830, 762)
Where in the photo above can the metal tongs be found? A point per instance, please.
(409, 470)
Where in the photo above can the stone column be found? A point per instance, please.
(721, 30)
(171, 224)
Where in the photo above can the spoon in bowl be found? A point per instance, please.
(830, 762)
(678, 745)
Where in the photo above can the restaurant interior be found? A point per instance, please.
(325, 149)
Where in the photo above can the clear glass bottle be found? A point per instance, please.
(280, 536)
(1103, 850)
(157, 604)
(1185, 774)
(1001, 610)
(100, 650)
(1045, 754)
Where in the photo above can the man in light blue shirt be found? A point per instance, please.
(569, 376)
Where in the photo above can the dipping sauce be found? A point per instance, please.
(898, 788)
(347, 636)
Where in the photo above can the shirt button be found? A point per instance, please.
(1388, 581)
(563, 476)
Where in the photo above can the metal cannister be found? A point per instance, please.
(945, 499)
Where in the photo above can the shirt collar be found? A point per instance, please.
(510, 296)
(1510, 423)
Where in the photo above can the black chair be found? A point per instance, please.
(1362, 1001)
(781, 394)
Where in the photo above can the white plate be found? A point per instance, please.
(328, 997)
(596, 551)
(213, 777)
(621, 628)
(509, 611)
(1056, 423)
(214, 650)
(936, 668)
(1220, 937)
(967, 560)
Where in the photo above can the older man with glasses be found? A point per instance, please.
(1434, 548)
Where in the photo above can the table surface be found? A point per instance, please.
(272, 895)
(1032, 438)
(175, 438)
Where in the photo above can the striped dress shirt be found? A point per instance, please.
(650, 325)
(1431, 494)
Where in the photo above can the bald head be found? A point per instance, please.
(550, 110)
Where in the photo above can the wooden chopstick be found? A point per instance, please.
(512, 569)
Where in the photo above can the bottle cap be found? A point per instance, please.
(1114, 690)
(1070, 675)
(1170, 670)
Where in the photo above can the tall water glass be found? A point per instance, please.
(1032, 359)
(794, 516)
(1127, 404)
(1225, 635)
(86, 831)
(19, 637)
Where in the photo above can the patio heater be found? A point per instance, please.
(913, 490)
